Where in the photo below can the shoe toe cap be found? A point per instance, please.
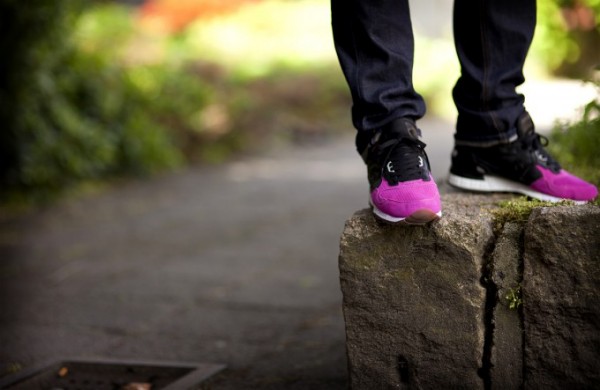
(565, 185)
(406, 198)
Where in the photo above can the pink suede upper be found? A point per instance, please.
(564, 185)
(404, 199)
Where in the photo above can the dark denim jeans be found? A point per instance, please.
(374, 43)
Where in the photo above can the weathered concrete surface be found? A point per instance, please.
(506, 371)
(427, 308)
(561, 288)
(413, 301)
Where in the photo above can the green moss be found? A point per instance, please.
(11, 368)
(402, 275)
(519, 209)
(361, 263)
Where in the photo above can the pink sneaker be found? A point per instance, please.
(402, 188)
(522, 166)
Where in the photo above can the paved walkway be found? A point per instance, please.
(234, 265)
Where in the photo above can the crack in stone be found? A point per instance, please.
(491, 300)
(502, 271)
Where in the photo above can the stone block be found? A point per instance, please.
(426, 307)
(561, 290)
(413, 300)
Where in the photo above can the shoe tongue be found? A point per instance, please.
(525, 129)
(525, 125)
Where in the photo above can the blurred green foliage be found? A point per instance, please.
(567, 37)
(87, 95)
(68, 114)
(576, 144)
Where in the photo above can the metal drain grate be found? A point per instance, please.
(111, 375)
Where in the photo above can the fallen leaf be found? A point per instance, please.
(137, 386)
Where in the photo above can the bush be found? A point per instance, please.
(568, 36)
(576, 144)
(32, 34)
(69, 114)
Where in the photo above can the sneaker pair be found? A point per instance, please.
(403, 190)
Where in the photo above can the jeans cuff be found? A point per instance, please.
(486, 142)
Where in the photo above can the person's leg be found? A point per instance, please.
(496, 147)
(492, 38)
(374, 43)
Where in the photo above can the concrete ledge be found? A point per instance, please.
(427, 308)
(561, 294)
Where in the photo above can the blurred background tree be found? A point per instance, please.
(568, 36)
(95, 90)
(69, 114)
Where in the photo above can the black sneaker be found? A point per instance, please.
(522, 166)
(402, 188)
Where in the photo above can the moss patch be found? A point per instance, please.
(518, 210)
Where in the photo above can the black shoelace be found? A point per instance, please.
(535, 143)
(406, 158)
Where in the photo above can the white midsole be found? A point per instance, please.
(388, 217)
(491, 183)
